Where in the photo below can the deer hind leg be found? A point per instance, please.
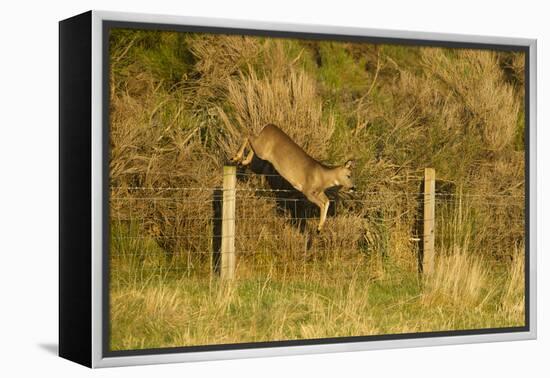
(239, 155)
(248, 157)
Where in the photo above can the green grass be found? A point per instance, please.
(154, 307)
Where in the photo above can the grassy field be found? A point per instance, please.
(180, 104)
(156, 307)
(160, 300)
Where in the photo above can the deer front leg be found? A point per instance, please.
(315, 198)
(324, 210)
(239, 155)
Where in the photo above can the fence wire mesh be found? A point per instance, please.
(178, 230)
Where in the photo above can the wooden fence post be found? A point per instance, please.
(429, 221)
(228, 223)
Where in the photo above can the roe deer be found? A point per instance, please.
(302, 171)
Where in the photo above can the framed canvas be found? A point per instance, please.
(238, 189)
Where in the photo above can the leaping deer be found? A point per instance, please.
(302, 171)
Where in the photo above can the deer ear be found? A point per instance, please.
(349, 164)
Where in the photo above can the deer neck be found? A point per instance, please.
(330, 177)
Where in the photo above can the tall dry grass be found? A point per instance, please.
(513, 300)
(458, 278)
(487, 99)
(288, 100)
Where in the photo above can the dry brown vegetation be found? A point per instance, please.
(180, 105)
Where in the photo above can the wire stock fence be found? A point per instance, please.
(232, 230)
